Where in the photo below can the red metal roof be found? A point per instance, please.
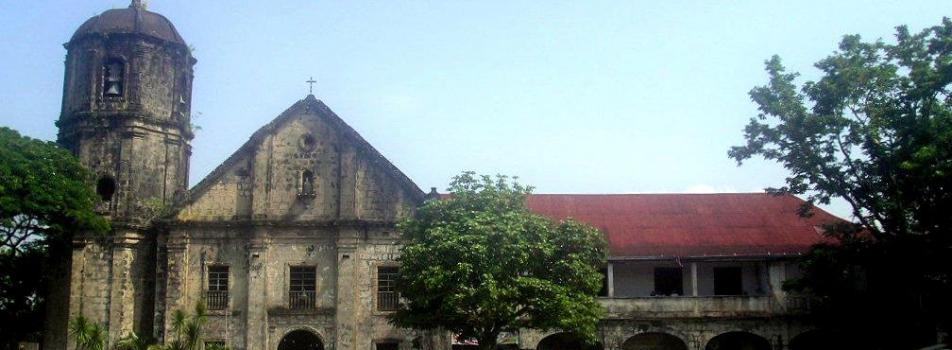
(691, 225)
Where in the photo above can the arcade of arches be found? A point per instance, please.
(662, 339)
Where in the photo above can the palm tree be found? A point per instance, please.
(187, 329)
(132, 341)
(88, 335)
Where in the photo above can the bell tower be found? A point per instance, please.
(126, 109)
(126, 115)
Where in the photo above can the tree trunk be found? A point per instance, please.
(488, 341)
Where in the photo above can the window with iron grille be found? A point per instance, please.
(302, 287)
(387, 297)
(216, 297)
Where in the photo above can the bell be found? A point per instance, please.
(113, 90)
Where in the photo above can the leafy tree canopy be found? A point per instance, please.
(44, 193)
(479, 263)
(44, 198)
(876, 131)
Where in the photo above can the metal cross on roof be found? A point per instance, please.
(310, 88)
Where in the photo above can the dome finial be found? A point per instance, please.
(137, 4)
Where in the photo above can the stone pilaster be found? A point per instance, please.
(176, 283)
(122, 291)
(346, 313)
(256, 336)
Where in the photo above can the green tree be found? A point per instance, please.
(875, 131)
(478, 263)
(45, 197)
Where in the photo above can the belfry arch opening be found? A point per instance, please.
(301, 340)
(112, 77)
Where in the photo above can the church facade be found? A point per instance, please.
(291, 241)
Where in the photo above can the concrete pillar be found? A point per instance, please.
(693, 279)
(611, 280)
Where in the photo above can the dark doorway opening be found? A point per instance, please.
(654, 341)
(738, 341)
(301, 340)
(566, 341)
(106, 188)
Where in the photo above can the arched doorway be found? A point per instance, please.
(654, 341)
(301, 340)
(818, 340)
(565, 341)
(738, 341)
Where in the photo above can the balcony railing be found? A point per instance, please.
(216, 299)
(387, 301)
(703, 306)
(301, 300)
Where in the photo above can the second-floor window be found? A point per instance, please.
(727, 281)
(387, 297)
(217, 295)
(668, 281)
(302, 288)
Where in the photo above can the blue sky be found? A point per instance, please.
(572, 96)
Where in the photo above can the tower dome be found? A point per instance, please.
(134, 19)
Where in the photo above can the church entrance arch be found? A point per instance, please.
(566, 341)
(738, 341)
(654, 341)
(301, 340)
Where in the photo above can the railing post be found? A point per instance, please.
(693, 279)
(611, 280)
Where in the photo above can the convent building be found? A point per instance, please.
(291, 241)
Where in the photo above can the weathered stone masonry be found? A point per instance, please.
(307, 195)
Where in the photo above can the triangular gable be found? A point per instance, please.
(308, 106)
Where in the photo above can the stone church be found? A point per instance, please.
(291, 241)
